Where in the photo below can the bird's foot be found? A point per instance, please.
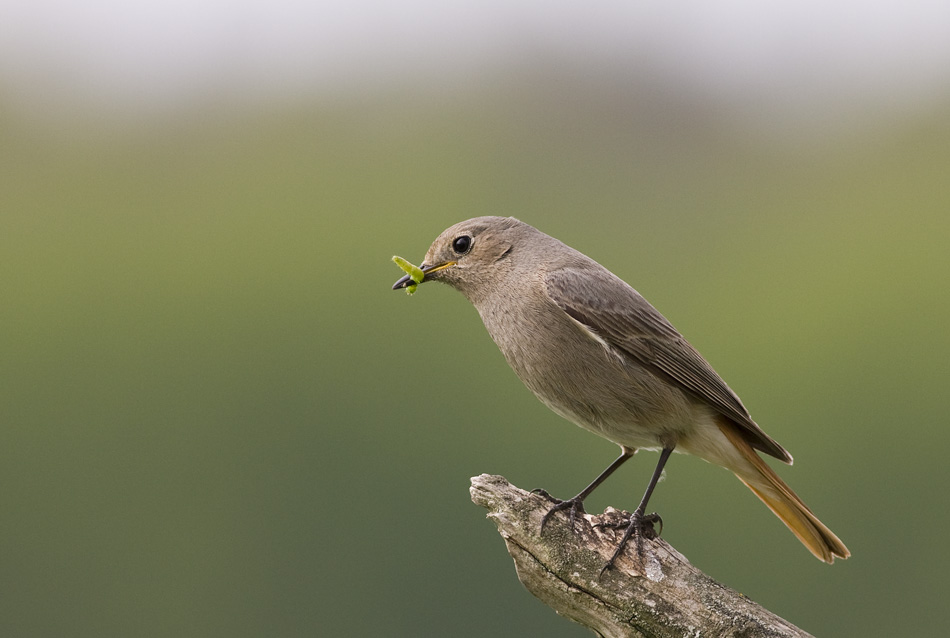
(647, 521)
(638, 527)
(574, 505)
(543, 492)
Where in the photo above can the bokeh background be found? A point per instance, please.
(216, 418)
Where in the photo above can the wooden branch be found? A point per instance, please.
(661, 596)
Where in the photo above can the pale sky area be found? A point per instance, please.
(894, 55)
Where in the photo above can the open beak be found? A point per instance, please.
(406, 280)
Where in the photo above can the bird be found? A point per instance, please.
(597, 353)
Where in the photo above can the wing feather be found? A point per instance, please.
(620, 316)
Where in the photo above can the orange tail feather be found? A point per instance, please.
(780, 498)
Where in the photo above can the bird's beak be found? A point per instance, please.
(427, 270)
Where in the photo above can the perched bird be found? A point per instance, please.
(597, 353)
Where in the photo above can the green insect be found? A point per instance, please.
(415, 273)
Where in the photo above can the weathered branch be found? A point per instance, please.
(663, 596)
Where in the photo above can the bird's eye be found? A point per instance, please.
(462, 244)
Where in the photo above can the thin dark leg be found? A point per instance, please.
(637, 519)
(576, 504)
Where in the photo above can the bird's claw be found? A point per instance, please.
(544, 493)
(574, 505)
(647, 521)
(638, 526)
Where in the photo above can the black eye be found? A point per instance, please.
(462, 244)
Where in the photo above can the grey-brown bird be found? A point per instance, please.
(597, 353)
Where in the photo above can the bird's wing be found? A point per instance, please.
(626, 321)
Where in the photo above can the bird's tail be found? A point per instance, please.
(780, 498)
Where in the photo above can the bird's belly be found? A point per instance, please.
(611, 395)
(632, 432)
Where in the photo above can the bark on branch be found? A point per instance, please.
(663, 596)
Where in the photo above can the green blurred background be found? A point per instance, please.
(218, 419)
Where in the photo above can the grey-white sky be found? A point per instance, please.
(890, 53)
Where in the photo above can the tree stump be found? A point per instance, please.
(660, 595)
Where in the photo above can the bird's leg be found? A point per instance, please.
(576, 504)
(641, 524)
